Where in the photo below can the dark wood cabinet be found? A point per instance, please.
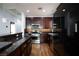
(56, 47)
(23, 50)
(26, 48)
(51, 43)
(44, 37)
(16, 52)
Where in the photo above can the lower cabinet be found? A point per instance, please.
(23, 50)
(44, 38)
(26, 48)
(56, 47)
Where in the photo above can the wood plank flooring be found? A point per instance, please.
(41, 50)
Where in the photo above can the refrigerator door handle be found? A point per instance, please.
(75, 27)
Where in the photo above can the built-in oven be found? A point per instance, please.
(35, 33)
(35, 37)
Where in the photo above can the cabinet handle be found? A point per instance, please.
(24, 46)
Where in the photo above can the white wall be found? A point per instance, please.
(18, 26)
(9, 17)
(23, 23)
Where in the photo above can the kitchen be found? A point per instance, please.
(39, 29)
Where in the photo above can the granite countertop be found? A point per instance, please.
(8, 34)
(4, 45)
(14, 46)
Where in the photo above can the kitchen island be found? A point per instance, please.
(56, 44)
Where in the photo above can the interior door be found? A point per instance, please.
(12, 28)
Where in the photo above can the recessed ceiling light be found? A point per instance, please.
(44, 10)
(40, 8)
(28, 11)
(64, 10)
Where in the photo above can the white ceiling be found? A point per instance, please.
(33, 7)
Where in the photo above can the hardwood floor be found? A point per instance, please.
(35, 50)
(41, 50)
(45, 50)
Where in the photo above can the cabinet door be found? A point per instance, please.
(51, 43)
(24, 49)
(17, 52)
(43, 37)
(29, 47)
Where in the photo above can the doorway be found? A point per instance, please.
(12, 28)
